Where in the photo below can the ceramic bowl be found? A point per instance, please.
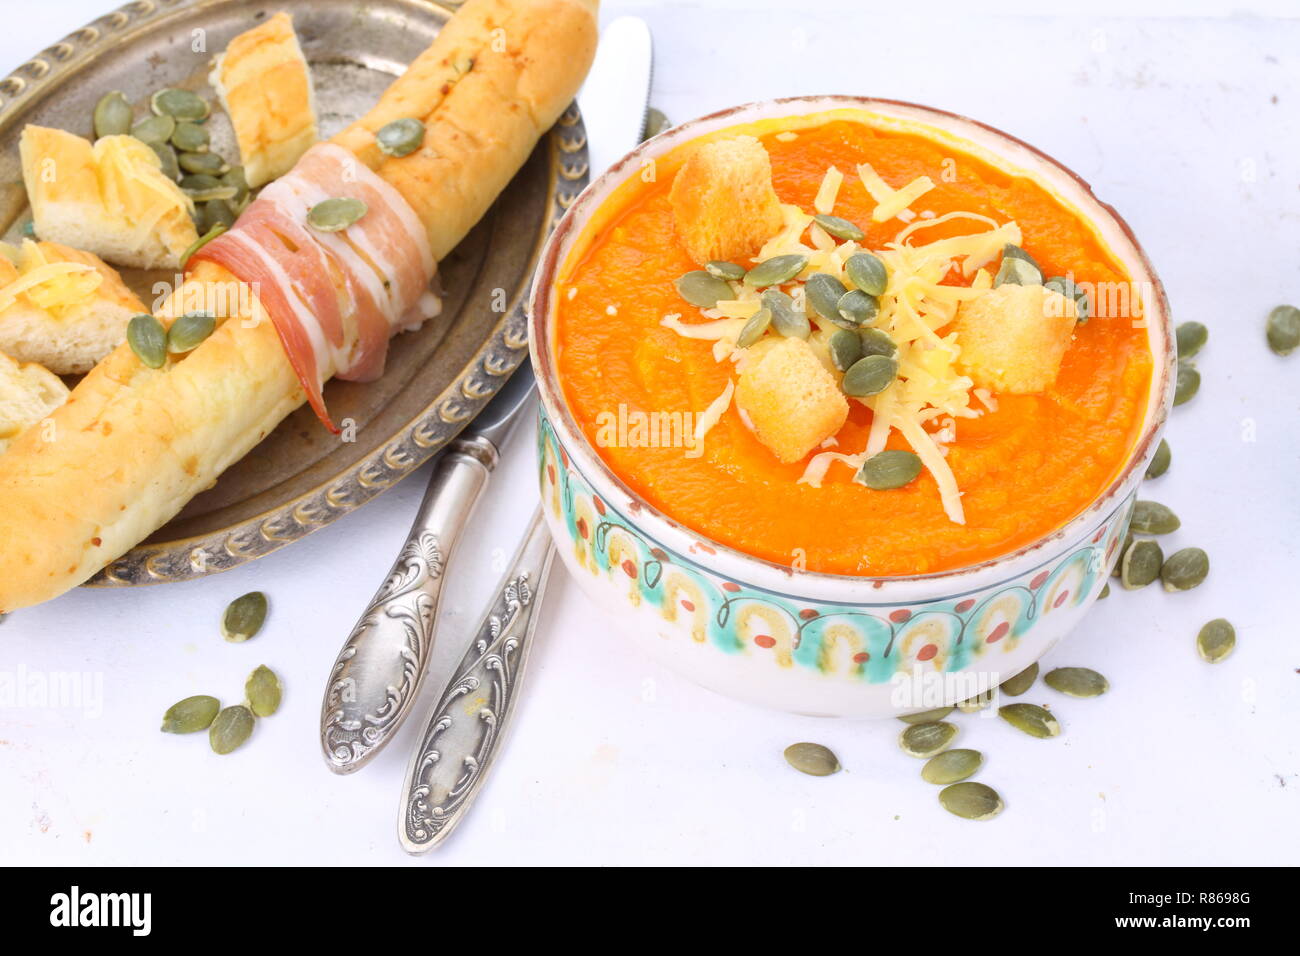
(821, 643)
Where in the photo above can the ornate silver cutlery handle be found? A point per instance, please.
(378, 673)
(473, 713)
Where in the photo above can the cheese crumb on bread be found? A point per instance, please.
(61, 307)
(1013, 337)
(28, 393)
(264, 85)
(111, 199)
(790, 400)
(724, 206)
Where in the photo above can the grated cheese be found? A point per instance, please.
(50, 285)
(891, 202)
(828, 191)
(712, 415)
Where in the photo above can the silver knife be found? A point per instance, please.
(378, 672)
(467, 726)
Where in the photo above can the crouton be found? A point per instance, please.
(724, 206)
(28, 393)
(111, 199)
(264, 85)
(1013, 337)
(790, 401)
(68, 320)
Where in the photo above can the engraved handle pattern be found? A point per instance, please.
(465, 731)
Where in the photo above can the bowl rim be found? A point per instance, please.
(761, 572)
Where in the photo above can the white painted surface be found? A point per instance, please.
(1190, 126)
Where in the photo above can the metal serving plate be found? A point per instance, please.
(301, 477)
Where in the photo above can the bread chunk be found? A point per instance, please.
(724, 206)
(1013, 337)
(263, 82)
(790, 400)
(28, 393)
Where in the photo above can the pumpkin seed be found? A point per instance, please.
(656, 121)
(870, 376)
(893, 468)
(180, 105)
(189, 331)
(971, 801)
(221, 192)
(837, 227)
(952, 766)
(1140, 565)
(876, 342)
(867, 272)
(1123, 549)
(209, 162)
(190, 715)
(754, 328)
(776, 270)
(263, 691)
(333, 215)
(1160, 460)
(1031, 719)
(244, 617)
(857, 308)
(725, 270)
(1185, 569)
(154, 129)
(812, 759)
(1216, 640)
(973, 705)
(212, 233)
(234, 176)
(1076, 681)
(1063, 285)
(112, 115)
(216, 212)
(1018, 268)
(823, 293)
(400, 137)
(1283, 329)
(148, 340)
(786, 319)
(167, 161)
(1018, 684)
(927, 716)
(231, 727)
(1187, 383)
(1012, 251)
(200, 182)
(190, 138)
(846, 348)
(697, 287)
(1105, 591)
(926, 740)
(1151, 517)
(1190, 338)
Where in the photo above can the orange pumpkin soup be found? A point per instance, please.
(1025, 465)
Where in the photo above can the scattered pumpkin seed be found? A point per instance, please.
(1160, 460)
(1012, 251)
(216, 212)
(1187, 383)
(754, 328)
(190, 138)
(213, 231)
(952, 766)
(263, 691)
(837, 227)
(973, 705)
(877, 342)
(190, 715)
(823, 293)
(867, 272)
(1067, 288)
(857, 308)
(1076, 681)
(200, 182)
(1283, 329)
(1216, 640)
(400, 137)
(231, 727)
(1105, 591)
(244, 617)
(167, 162)
(846, 348)
(189, 331)
(656, 121)
(219, 191)
(812, 759)
(112, 115)
(1018, 268)
(209, 162)
(927, 716)
(1191, 338)
(1185, 569)
(1123, 549)
(180, 105)
(926, 740)
(148, 340)
(1018, 684)
(1031, 719)
(1151, 517)
(971, 801)
(870, 376)
(776, 270)
(725, 270)
(888, 469)
(234, 176)
(701, 289)
(1140, 564)
(333, 215)
(786, 319)
(154, 129)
